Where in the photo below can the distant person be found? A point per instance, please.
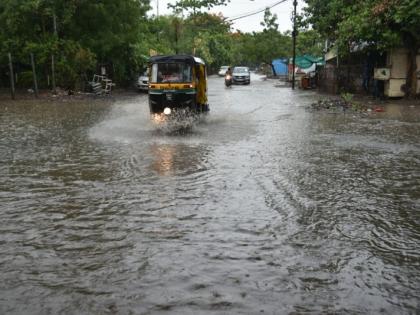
(368, 67)
(228, 72)
(159, 76)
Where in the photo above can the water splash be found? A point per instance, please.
(178, 122)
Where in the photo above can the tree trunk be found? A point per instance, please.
(411, 83)
(412, 73)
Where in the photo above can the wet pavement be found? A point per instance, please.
(261, 207)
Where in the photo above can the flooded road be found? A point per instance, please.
(262, 207)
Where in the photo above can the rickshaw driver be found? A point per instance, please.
(201, 85)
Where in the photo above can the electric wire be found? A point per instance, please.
(244, 15)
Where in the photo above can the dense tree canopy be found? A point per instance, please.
(79, 33)
(378, 24)
(383, 23)
(83, 34)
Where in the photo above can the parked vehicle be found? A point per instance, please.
(241, 75)
(178, 83)
(143, 82)
(222, 71)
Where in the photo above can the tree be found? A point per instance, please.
(270, 43)
(270, 20)
(195, 6)
(203, 34)
(382, 24)
(309, 42)
(111, 30)
(106, 31)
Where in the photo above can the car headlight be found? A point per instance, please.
(167, 111)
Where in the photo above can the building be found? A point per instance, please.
(368, 72)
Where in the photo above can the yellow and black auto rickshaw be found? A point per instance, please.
(177, 83)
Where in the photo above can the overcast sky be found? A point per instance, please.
(239, 7)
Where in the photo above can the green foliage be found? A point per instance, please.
(377, 24)
(206, 35)
(161, 33)
(258, 47)
(195, 5)
(347, 97)
(309, 42)
(381, 23)
(121, 35)
(349, 102)
(86, 31)
(269, 21)
(25, 79)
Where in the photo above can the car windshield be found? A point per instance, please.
(224, 68)
(171, 72)
(241, 70)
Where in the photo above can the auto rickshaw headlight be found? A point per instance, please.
(158, 118)
(167, 111)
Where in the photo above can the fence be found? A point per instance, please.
(25, 74)
(345, 78)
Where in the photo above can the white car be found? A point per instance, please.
(241, 75)
(222, 71)
(143, 82)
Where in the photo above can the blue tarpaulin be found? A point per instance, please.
(279, 66)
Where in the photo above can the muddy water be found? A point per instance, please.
(260, 207)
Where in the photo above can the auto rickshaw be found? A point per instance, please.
(177, 83)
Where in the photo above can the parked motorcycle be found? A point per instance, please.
(228, 80)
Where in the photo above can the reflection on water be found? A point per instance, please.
(260, 207)
(163, 158)
(172, 159)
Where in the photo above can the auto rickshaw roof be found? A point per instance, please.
(175, 58)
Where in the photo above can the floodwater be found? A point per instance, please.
(260, 207)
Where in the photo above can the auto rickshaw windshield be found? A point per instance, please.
(171, 73)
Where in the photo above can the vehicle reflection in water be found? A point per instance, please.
(170, 159)
(163, 162)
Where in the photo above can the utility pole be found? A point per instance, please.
(157, 8)
(52, 57)
(294, 34)
(177, 25)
